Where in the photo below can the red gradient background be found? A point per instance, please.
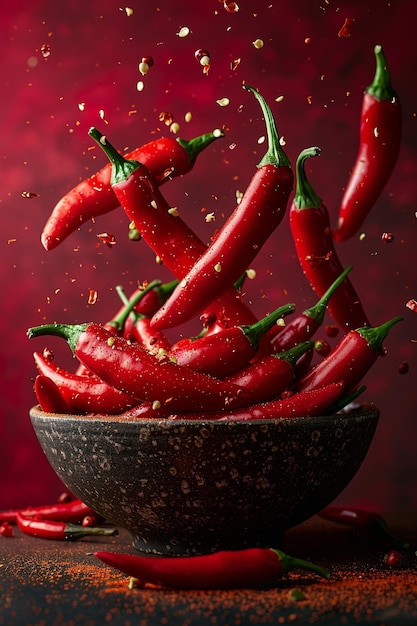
(95, 48)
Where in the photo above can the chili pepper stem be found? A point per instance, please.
(317, 311)
(275, 155)
(119, 321)
(73, 531)
(305, 197)
(381, 87)
(122, 168)
(376, 335)
(194, 146)
(255, 331)
(70, 332)
(290, 562)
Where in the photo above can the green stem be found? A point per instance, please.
(256, 331)
(375, 336)
(292, 355)
(119, 321)
(275, 154)
(345, 400)
(70, 332)
(122, 168)
(74, 531)
(290, 562)
(318, 310)
(305, 197)
(381, 87)
(194, 146)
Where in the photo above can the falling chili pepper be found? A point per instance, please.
(237, 243)
(365, 521)
(73, 511)
(270, 375)
(310, 228)
(349, 360)
(228, 350)
(80, 393)
(252, 567)
(305, 325)
(166, 157)
(379, 145)
(48, 529)
(133, 370)
(166, 234)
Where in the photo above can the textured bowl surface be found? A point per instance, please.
(192, 487)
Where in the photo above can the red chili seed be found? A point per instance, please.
(203, 56)
(392, 558)
(346, 29)
(404, 367)
(387, 237)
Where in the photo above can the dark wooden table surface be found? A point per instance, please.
(46, 583)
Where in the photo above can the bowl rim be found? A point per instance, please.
(363, 410)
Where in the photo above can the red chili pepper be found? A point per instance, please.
(367, 521)
(166, 157)
(73, 511)
(48, 395)
(48, 529)
(228, 350)
(222, 570)
(80, 393)
(304, 326)
(234, 247)
(310, 228)
(379, 145)
(6, 530)
(167, 235)
(134, 370)
(269, 376)
(349, 360)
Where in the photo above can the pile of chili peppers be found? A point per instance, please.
(238, 367)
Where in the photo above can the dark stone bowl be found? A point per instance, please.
(193, 487)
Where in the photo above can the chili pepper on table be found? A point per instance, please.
(166, 157)
(379, 145)
(270, 375)
(48, 529)
(252, 567)
(366, 521)
(6, 530)
(304, 326)
(133, 370)
(81, 393)
(228, 350)
(166, 234)
(49, 396)
(73, 511)
(310, 229)
(349, 360)
(259, 213)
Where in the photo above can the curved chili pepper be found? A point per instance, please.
(379, 145)
(133, 370)
(73, 511)
(166, 234)
(349, 360)
(220, 570)
(81, 393)
(268, 377)
(305, 325)
(48, 529)
(228, 350)
(166, 157)
(49, 396)
(259, 213)
(366, 521)
(310, 228)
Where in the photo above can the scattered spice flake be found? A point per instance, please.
(174, 128)
(218, 132)
(223, 102)
(45, 50)
(210, 217)
(412, 305)
(231, 7)
(251, 273)
(156, 405)
(313, 260)
(309, 99)
(29, 194)
(81, 106)
(128, 11)
(140, 85)
(387, 237)
(92, 296)
(346, 29)
(188, 116)
(218, 267)
(107, 238)
(307, 40)
(184, 31)
(279, 99)
(203, 57)
(235, 64)
(145, 65)
(362, 236)
(258, 44)
(11, 241)
(403, 368)
(173, 211)
(166, 118)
